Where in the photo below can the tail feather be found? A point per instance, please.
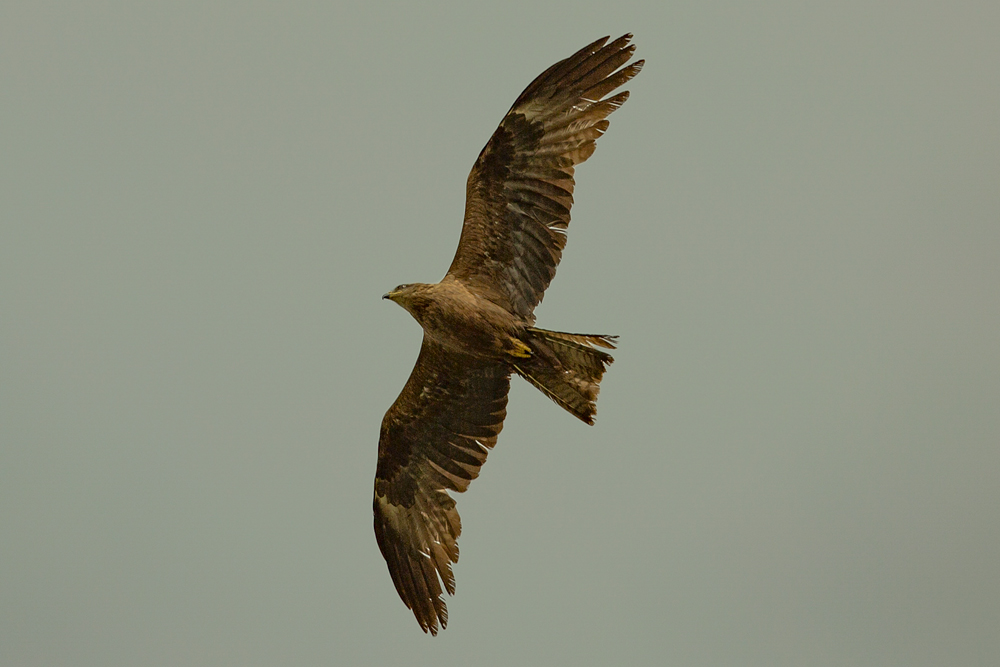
(567, 368)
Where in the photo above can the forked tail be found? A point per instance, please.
(567, 368)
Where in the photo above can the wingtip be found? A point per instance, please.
(623, 41)
(431, 626)
(597, 43)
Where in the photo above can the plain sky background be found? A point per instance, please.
(793, 224)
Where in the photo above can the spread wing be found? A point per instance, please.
(434, 438)
(520, 190)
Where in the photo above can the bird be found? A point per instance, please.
(478, 322)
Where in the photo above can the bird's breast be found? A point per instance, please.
(459, 319)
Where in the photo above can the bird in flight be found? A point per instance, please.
(478, 321)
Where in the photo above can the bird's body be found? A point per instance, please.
(479, 320)
(460, 320)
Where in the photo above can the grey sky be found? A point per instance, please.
(794, 225)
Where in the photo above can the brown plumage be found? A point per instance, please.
(479, 324)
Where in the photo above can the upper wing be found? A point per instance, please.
(434, 438)
(520, 190)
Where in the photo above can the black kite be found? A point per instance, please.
(478, 321)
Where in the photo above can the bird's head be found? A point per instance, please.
(407, 295)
